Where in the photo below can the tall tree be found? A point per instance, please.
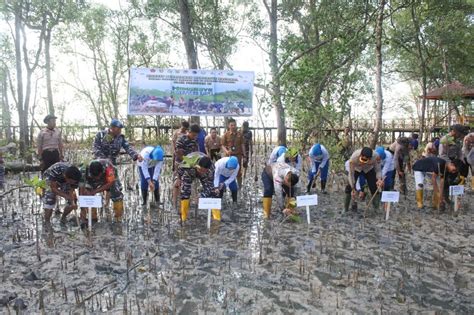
(378, 72)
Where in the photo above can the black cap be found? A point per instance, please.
(48, 118)
(367, 152)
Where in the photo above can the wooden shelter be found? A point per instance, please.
(451, 98)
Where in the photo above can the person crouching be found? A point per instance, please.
(279, 179)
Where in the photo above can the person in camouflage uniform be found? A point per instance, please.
(99, 176)
(195, 165)
(61, 180)
(109, 142)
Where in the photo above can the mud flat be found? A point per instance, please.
(418, 262)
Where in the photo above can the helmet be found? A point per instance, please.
(116, 123)
(316, 151)
(291, 153)
(381, 152)
(232, 163)
(281, 150)
(157, 153)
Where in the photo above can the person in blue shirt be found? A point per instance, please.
(319, 157)
(149, 170)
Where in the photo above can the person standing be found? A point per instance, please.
(233, 145)
(110, 141)
(248, 145)
(401, 157)
(213, 145)
(50, 144)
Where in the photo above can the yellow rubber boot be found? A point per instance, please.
(462, 180)
(216, 214)
(184, 209)
(267, 207)
(472, 183)
(419, 198)
(118, 210)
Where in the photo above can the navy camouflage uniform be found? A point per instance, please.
(55, 173)
(187, 174)
(110, 174)
(186, 145)
(106, 146)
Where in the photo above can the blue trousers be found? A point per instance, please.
(144, 182)
(324, 172)
(388, 183)
(233, 185)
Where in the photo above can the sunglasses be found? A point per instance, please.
(364, 159)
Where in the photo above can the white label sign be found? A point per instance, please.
(307, 200)
(390, 196)
(457, 190)
(90, 201)
(210, 203)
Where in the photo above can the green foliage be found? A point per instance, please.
(35, 182)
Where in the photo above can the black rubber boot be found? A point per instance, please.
(144, 197)
(234, 196)
(323, 187)
(156, 193)
(308, 187)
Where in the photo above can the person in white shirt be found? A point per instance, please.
(225, 174)
(292, 158)
(279, 179)
(388, 167)
(149, 170)
(276, 153)
(319, 158)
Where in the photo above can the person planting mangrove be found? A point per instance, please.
(276, 153)
(99, 176)
(61, 180)
(442, 172)
(450, 148)
(225, 174)
(400, 150)
(149, 170)
(292, 158)
(278, 179)
(319, 157)
(366, 162)
(388, 167)
(109, 142)
(195, 165)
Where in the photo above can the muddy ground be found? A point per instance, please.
(418, 262)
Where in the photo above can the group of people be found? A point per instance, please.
(218, 163)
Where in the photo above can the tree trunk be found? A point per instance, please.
(423, 73)
(378, 75)
(276, 86)
(47, 68)
(6, 116)
(19, 81)
(188, 40)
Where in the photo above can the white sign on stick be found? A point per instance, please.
(457, 190)
(390, 196)
(210, 203)
(307, 200)
(90, 201)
